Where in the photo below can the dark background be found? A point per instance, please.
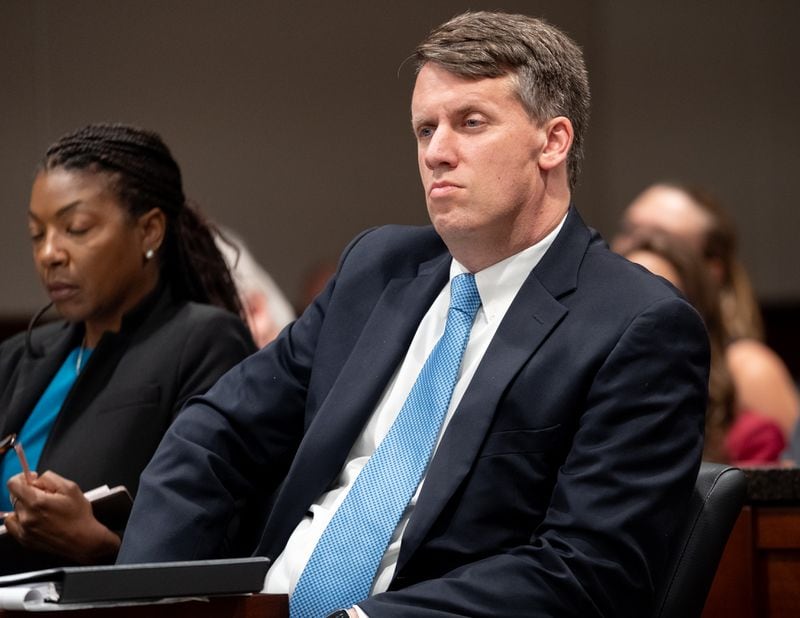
(290, 120)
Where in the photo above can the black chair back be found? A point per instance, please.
(714, 507)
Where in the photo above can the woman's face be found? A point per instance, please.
(88, 251)
(669, 210)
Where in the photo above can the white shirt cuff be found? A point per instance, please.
(360, 613)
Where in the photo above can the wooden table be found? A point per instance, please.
(249, 606)
(759, 574)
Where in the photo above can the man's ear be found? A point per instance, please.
(558, 140)
(152, 226)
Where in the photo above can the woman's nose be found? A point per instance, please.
(51, 252)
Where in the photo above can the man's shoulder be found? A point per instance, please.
(397, 248)
(613, 292)
(622, 277)
(406, 239)
(580, 268)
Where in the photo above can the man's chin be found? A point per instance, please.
(455, 231)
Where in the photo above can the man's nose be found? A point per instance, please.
(441, 149)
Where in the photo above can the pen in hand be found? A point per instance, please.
(8, 443)
(23, 461)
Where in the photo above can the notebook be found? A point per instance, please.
(131, 582)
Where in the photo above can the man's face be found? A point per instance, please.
(478, 153)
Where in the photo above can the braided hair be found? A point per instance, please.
(144, 175)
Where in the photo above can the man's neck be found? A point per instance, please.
(483, 249)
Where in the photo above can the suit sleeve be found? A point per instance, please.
(227, 451)
(623, 487)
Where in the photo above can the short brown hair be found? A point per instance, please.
(547, 65)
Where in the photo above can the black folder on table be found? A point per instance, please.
(198, 578)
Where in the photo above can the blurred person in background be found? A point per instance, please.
(731, 435)
(761, 380)
(314, 280)
(267, 308)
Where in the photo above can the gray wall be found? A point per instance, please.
(290, 120)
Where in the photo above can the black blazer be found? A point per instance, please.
(556, 488)
(129, 391)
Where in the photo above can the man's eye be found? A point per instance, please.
(424, 132)
(473, 122)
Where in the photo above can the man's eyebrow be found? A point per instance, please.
(419, 121)
(419, 118)
(464, 108)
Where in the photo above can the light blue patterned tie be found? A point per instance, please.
(344, 562)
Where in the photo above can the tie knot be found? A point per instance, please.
(464, 294)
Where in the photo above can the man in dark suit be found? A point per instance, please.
(571, 437)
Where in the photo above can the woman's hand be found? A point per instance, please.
(51, 514)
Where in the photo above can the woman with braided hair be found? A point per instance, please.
(150, 316)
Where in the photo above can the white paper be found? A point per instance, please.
(24, 597)
(32, 598)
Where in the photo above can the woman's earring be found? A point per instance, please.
(148, 255)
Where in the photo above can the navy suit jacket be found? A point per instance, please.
(558, 484)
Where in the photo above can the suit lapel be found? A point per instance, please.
(530, 319)
(381, 346)
(341, 417)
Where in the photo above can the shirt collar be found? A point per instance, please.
(499, 283)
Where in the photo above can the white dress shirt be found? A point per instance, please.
(497, 286)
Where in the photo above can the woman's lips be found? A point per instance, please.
(61, 291)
